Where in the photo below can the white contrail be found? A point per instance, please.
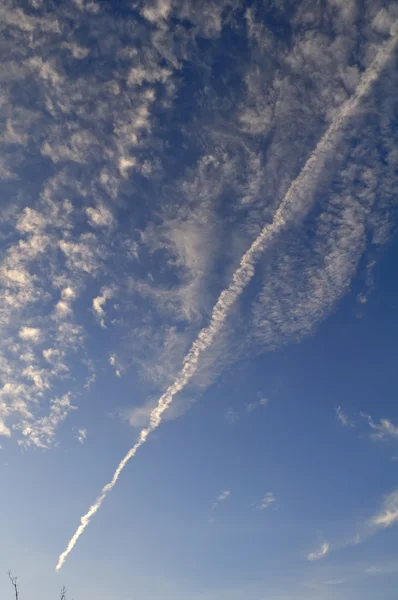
(294, 204)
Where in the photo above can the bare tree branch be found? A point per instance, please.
(14, 582)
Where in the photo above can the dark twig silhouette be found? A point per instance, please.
(14, 583)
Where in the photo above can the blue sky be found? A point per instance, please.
(197, 278)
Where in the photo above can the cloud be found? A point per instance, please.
(383, 431)
(81, 435)
(386, 568)
(385, 517)
(36, 287)
(388, 514)
(231, 416)
(266, 502)
(4, 430)
(100, 217)
(114, 362)
(41, 432)
(320, 553)
(223, 497)
(83, 255)
(139, 416)
(294, 206)
(343, 418)
(157, 11)
(99, 302)
(334, 582)
(252, 406)
(30, 334)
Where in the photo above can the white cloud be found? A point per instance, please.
(388, 514)
(38, 376)
(100, 216)
(126, 163)
(384, 430)
(30, 334)
(77, 51)
(384, 22)
(223, 497)
(4, 430)
(63, 309)
(33, 359)
(114, 362)
(18, 276)
(231, 416)
(157, 10)
(30, 221)
(266, 502)
(139, 416)
(81, 435)
(320, 553)
(99, 302)
(83, 255)
(68, 294)
(252, 406)
(41, 432)
(343, 418)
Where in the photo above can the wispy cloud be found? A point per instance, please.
(384, 430)
(295, 204)
(362, 530)
(320, 553)
(223, 497)
(81, 435)
(267, 501)
(114, 362)
(231, 416)
(42, 431)
(252, 406)
(100, 216)
(99, 302)
(388, 514)
(343, 418)
(334, 582)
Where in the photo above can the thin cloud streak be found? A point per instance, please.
(295, 203)
(266, 502)
(343, 418)
(389, 514)
(225, 495)
(384, 430)
(320, 553)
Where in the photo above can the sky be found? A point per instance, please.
(198, 299)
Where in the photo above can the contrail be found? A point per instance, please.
(294, 204)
